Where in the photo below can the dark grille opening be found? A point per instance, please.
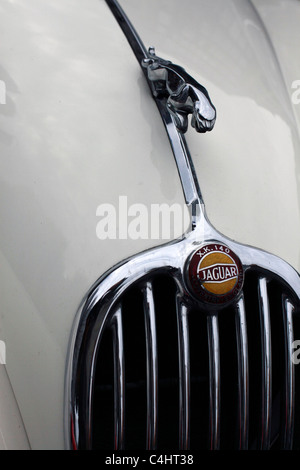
(278, 364)
(167, 353)
(103, 409)
(199, 380)
(254, 357)
(229, 379)
(135, 369)
(169, 384)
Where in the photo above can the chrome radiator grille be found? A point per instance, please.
(169, 375)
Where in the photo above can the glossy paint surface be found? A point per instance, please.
(12, 432)
(79, 128)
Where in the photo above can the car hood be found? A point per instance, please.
(79, 129)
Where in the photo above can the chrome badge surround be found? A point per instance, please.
(215, 274)
(174, 258)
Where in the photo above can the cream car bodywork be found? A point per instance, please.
(79, 129)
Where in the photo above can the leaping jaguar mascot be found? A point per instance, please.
(184, 94)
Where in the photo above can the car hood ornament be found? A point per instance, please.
(184, 94)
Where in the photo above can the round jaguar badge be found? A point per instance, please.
(215, 273)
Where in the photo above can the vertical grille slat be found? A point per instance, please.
(289, 398)
(184, 374)
(119, 379)
(243, 375)
(152, 367)
(214, 381)
(265, 325)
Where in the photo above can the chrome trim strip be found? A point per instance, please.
(243, 374)
(152, 368)
(265, 325)
(129, 31)
(187, 174)
(288, 310)
(184, 374)
(214, 381)
(185, 166)
(119, 379)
